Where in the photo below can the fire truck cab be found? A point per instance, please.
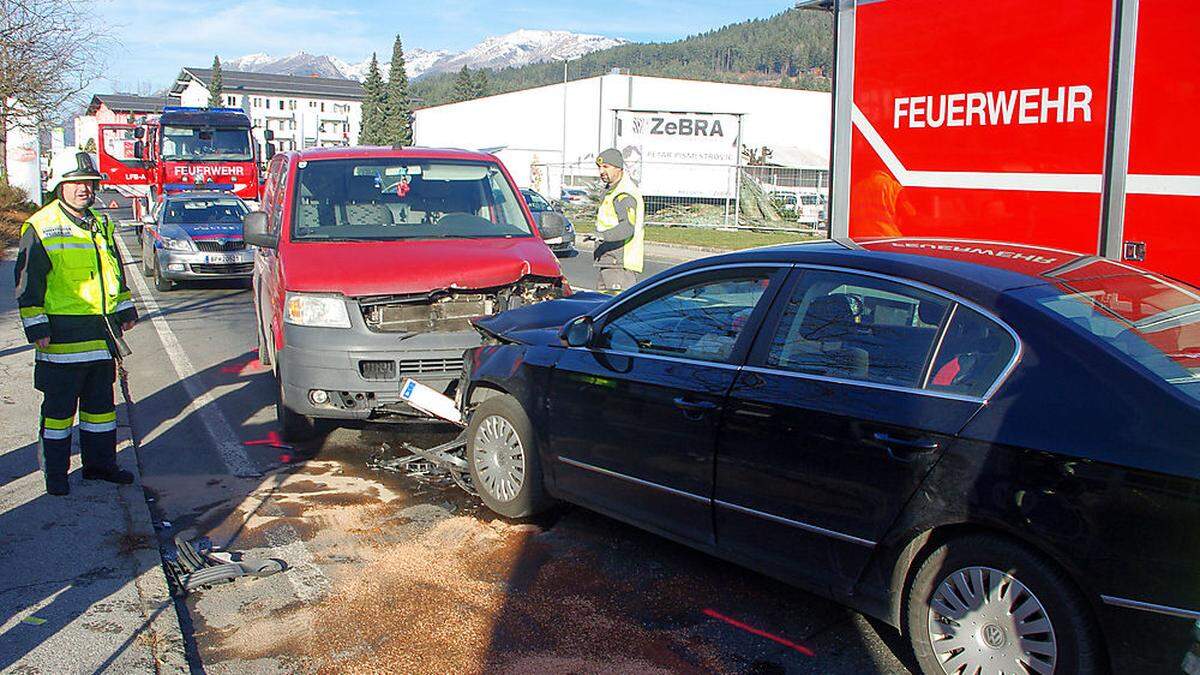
(182, 149)
(1069, 125)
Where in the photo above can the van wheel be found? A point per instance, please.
(162, 283)
(504, 463)
(292, 425)
(985, 604)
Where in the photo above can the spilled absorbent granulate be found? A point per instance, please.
(419, 588)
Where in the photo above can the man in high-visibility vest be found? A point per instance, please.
(620, 244)
(74, 306)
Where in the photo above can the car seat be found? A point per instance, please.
(364, 206)
(824, 339)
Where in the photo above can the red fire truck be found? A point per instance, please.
(181, 149)
(1063, 124)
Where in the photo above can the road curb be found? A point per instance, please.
(164, 634)
(670, 252)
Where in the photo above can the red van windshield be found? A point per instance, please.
(390, 198)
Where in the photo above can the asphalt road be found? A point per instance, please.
(390, 572)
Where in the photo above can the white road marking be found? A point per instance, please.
(225, 439)
(306, 579)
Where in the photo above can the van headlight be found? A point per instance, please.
(316, 310)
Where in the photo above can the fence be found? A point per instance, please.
(764, 198)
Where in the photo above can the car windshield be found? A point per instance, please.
(206, 143)
(197, 211)
(1151, 319)
(536, 202)
(397, 198)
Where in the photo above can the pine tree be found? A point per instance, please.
(371, 132)
(216, 91)
(464, 86)
(397, 107)
(482, 84)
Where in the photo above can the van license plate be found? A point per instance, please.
(222, 259)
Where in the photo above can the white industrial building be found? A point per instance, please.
(657, 122)
(302, 112)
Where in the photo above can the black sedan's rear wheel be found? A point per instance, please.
(504, 464)
(983, 604)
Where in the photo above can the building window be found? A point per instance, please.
(281, 104)
(322, 106)
(292, 125)
(312, 104)
(291, 104)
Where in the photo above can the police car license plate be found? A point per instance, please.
(554, 240)
(225, 259)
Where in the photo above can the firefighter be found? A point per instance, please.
(619, 220)
(74, 306)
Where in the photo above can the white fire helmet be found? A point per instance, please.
(73, 164)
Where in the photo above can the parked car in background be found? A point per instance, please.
(556, 229)
(194, 236)
(370, 263)
(575, 195)
(991, 447)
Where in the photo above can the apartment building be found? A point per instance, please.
(302, 112)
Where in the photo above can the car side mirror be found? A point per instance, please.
(578, 332)
(139, 149)
(557, 205)
(139, 132)
(254, 230)
(270, 151)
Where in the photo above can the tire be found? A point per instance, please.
(161, 283)
(988, 629)
(293, 426)
(505, 468)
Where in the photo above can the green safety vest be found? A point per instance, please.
(606, 219)
(85, 282)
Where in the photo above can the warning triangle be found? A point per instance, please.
(112, 204)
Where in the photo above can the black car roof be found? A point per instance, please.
(969, 267)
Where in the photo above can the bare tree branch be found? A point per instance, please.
(50, 53)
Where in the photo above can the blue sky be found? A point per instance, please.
(155, 38)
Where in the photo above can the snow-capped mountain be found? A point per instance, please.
(514, 49)
(523, 47)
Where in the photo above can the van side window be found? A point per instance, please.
(279, 197)
(843, 325)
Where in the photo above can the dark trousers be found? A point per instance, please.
(87, 387)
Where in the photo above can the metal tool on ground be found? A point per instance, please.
(437, 465)
(195, 566)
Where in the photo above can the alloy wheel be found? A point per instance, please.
(984, 621)
(499, 458)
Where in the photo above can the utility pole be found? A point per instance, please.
(563, 176)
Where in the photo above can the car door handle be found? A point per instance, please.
(914, 445)
(685, 404)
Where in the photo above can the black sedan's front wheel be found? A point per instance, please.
(505, 468)
(983, 604)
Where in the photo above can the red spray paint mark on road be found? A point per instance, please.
(272, 440)
(761, 633)
(248, 368)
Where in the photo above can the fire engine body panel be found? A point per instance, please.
(1065, 125)
(182, 149)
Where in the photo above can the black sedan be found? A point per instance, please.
(557, 230)
(994, 448)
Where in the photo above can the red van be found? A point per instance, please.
(369, 264)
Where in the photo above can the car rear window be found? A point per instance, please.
(1150, 319)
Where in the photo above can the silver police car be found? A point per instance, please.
(194, 236)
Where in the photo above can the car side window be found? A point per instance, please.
(858, 327)
(700, 320)
(973, 354)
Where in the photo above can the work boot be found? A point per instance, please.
(111, 474)
(58, 490)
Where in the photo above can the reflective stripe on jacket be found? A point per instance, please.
(607, 218)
